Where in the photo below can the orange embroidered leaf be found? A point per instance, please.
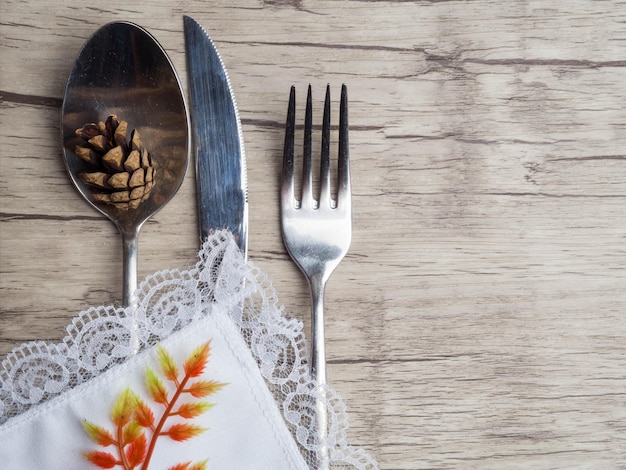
(169, 368)
(123, 408)
(98, 434)
(136, 451)
(196, 362)
(143, 414)
(180, 466)
(193, 410)
(155, 386)
(182, 432)
(101, 459)
(204, 388)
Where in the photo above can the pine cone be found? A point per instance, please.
(122, 171)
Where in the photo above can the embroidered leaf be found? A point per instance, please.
(182, 432)
(132, 432)
(190, 466)
(143, 414)
(180, 466)
(98, 434)
(204, 388)
(101, 459)
(193, 410)
(170, 371)
(199, 466)
(136, 452)
(156, 389)
(196, 362)
(123, 408)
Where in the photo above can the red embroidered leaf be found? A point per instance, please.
(98, 434)
(196, 362)
(169, 368)
(101, 459)
(143, 414)
(204, 388)
(136, 451)
(193, 410)
(182, 432)
(123, 408)
(155, 386)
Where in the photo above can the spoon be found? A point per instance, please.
(122, 71)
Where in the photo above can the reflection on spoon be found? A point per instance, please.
(123, 72)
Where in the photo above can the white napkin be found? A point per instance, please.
(259, 405)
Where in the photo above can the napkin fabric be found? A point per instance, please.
(262, 417)
(244, 428)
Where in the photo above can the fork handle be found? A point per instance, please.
(318, 352)
(318, 364)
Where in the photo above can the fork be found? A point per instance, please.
(317, 232)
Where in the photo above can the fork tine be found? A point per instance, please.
(343, 165)
(287, 197)
(307, 174)
(325, 157)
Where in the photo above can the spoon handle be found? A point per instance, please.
(130, 241)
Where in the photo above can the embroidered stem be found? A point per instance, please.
(193, 367)
(159, 427)
(120, 447)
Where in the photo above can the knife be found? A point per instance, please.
(217, 140)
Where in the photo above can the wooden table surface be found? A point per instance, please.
(478, 321)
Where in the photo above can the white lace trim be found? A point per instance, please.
(101, 337)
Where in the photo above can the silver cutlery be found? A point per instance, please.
(218, 141)
(122, 70)
(317, 231)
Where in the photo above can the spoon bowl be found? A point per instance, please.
(122, 70)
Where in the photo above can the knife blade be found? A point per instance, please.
(217, 140)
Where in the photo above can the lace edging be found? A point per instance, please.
(101, 337)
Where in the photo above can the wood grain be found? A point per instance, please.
(478, 319)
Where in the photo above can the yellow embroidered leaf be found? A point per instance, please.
(170, 371)
(182, 432)
(199, 466)
(101, 459)
(98, 434)
(196, 362)
(155, 386)
(123, 408)
(190, 466)
(132, 431)
(204, 388)
(143, 414)
(193, 410)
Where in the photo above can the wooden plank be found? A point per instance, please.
(477, 321)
